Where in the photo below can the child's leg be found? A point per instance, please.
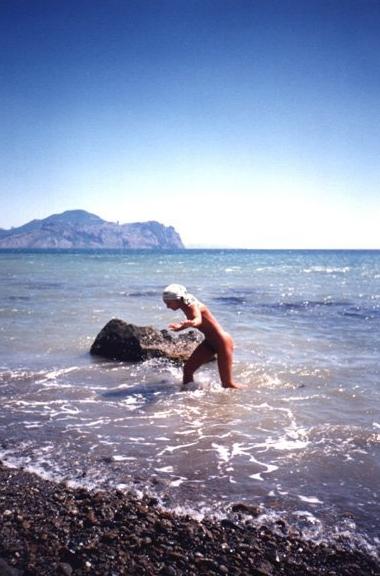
(225, 356)
(202, 354)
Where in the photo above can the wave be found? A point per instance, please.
(143, 294)
(327, 270)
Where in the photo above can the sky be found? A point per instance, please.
(242, 123)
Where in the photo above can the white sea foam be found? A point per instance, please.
(122, 487)
(287, 444)
(223, 452)
(89, 424)
(328, 269)
(310, 499)
(165, 469)
(28, 425)
(304, 398)
(184, 432)
(268, 469)
(120, 458)
(131, 400)
(306, 515)
(177, 482)
(54, 374)
(172, 449)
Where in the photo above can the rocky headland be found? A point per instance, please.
(78, 229)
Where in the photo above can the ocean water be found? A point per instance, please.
(301, 443)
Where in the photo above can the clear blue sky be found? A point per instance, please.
(243, 123)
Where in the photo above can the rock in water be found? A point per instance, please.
(119, 340)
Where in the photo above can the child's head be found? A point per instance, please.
(176, 293)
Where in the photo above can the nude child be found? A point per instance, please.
(216, 342)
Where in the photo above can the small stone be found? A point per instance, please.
(168, 571)
(107, 459)
(228, 524)
(91, 518)
(110, 536)
(177, 556)
(207, 533)
(206, 563)
(246, 509)
(352, 568)
(281, 525)
(6, 570)
(65, 569)
(264, 568)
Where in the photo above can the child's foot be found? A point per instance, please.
(236, 386)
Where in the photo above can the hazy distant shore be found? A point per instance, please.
(78, 229)
(49, 528)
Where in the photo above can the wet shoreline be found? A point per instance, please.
(48, 528)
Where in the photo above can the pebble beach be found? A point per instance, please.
(49, 528)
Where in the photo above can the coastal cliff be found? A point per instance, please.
(78, 229)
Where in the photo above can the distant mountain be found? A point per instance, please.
(80, 229)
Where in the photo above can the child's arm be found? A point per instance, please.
(194, 321)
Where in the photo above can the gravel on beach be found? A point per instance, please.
(48, 528)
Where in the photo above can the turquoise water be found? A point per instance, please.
(301, 442)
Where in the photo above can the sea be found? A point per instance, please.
(300, 446)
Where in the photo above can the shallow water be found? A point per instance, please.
(301, 442)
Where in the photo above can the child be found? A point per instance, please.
(216, 341)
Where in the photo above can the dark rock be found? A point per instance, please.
(263, 569)
(206, 564)
(110, 536)
(281, 525)
(177, 557)
(271, 552)
(65, 569)
(119, 340)
(91, 518)
(168, 571)
(107, 460)
(228, 524)
(246, 509)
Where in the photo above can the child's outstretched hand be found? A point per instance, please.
(175, 326)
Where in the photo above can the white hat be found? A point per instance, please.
(177, 292)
